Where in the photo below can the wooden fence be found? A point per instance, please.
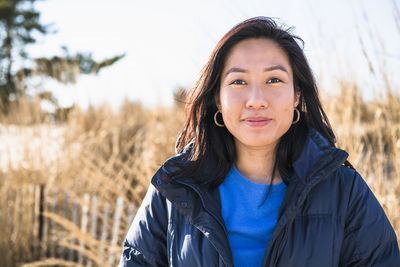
(88, 230)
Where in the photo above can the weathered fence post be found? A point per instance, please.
(93, 226)
(84, 222)
(53, 226)
(75, 210)
(104, 229)
(42, 221)
(115, 232)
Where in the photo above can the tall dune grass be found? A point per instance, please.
(109, 154)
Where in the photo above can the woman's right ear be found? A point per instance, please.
(217, 102)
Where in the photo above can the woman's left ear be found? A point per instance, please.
(296, 98)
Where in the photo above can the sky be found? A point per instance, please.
(166, 43)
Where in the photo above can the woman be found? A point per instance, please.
(258, 180)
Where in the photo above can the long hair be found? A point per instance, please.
(212, 147)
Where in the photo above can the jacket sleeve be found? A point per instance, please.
(145, 243)
(369, 239)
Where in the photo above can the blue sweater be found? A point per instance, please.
(249, 225)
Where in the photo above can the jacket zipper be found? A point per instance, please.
(278, 243)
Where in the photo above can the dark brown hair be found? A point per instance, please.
(212, 148)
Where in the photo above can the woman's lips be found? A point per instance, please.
(257, 121)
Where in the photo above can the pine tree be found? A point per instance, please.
(18, 21)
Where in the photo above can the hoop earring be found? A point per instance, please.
(298, 116)
(215, 119)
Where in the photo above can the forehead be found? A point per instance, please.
(256, 51)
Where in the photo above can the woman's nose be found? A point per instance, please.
(256, 97)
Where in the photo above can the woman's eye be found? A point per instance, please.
(238, 82)
(274, 80)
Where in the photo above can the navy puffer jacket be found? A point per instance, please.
(329, 217)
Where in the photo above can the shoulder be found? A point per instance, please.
(344, 180)
(343, 192)
(152, 207)
(146, 238)
(347, 179)
(352, 188)
(352, 182)
(363, 208)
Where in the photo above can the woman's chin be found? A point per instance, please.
(258, 142)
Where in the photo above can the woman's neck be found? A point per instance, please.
(256, 164)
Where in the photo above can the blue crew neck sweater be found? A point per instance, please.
(249, 224)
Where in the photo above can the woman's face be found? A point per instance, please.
(257, 97)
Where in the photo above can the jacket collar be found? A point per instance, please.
(316, 155)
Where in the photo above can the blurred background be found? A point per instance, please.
(91, 105)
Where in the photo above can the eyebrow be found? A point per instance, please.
(274, 67)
